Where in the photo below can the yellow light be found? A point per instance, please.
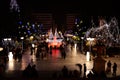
(31, 37)
(1, 48)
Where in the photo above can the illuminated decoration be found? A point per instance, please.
(30, 29)
(28, 23)
(31, 37)
(50, 34)
(14, 6)
(107, 33)
(90, 46)
(22, 26)
(24, 32)
(54, 40)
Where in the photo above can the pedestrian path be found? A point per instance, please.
(54, 63)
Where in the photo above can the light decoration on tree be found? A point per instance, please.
(14, 6)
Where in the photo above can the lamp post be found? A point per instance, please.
(82, 44)
(7, 42)
(22, 42)
(90, 40)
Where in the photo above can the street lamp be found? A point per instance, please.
(22, 42)
(7, 42)
(9, 39)
(82, 44)
(90, 40)
(89, 53)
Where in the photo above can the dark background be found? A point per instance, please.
(57, 7)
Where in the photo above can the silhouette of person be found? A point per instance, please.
(50, 50)
(27, 71)
(34, 71)
(85, 69)
(109, 66)
(80, 67)
(65, 71)
(114, 69)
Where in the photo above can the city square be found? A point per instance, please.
(53, 64)
(63, 40)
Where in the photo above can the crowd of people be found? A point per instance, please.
(111, 66)
(30, 71)
(42, 51)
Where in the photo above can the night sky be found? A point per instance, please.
(57, 7)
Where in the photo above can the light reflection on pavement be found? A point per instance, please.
(55, 62)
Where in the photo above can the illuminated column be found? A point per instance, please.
(88, 56)
(90, 40)
(75, 49)
(10, 56)
(11, 61)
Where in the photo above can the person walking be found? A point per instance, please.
(85, 69)
(108, 67)
(114, 69)
(65, 71)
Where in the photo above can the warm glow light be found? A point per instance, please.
(11, 65)
(82, 37)
(31, 37)
(55, 53)
(10, 56)
(75, 50)
(1, 48)
(11, 61)
(33, 45)
(53, 39)
(9, 39)
(88, 56)
(21, 37)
